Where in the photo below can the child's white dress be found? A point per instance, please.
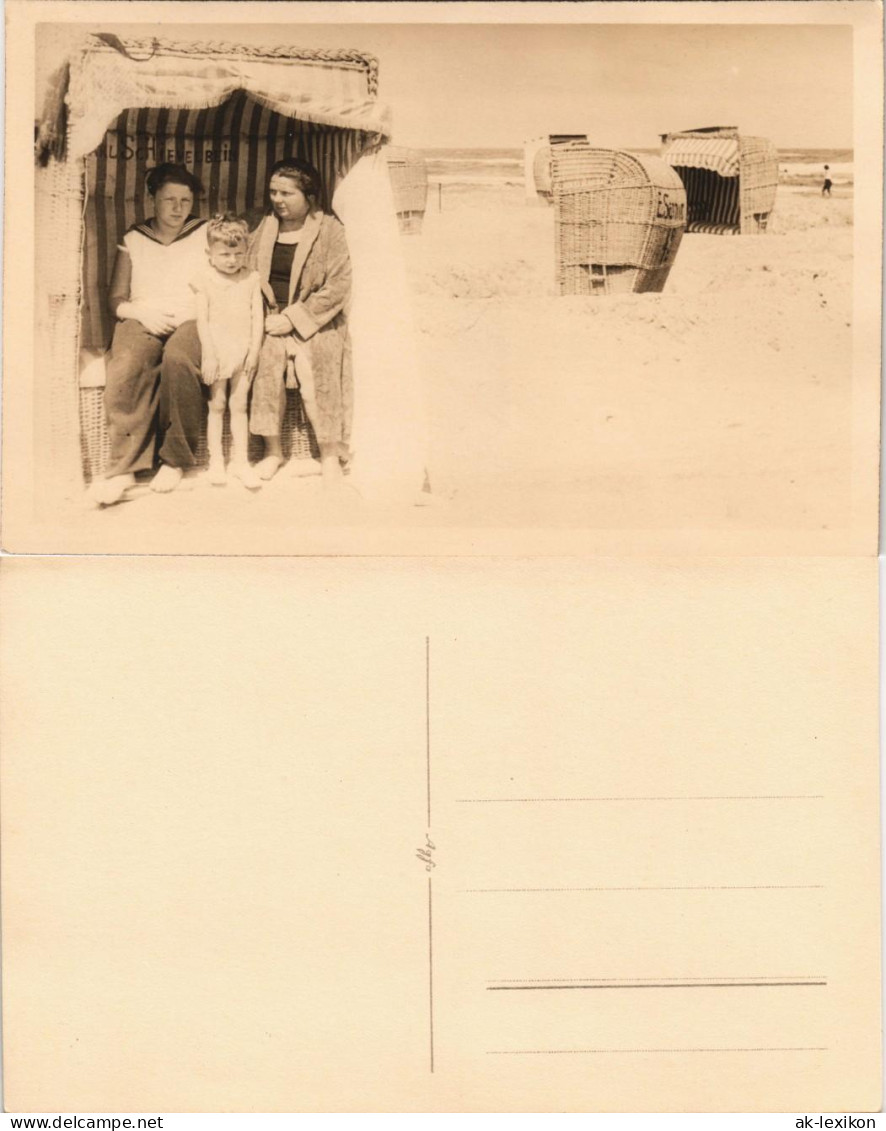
(229, 299)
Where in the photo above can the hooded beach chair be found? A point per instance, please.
(618, 218)
(731, 180)
(537, 163)
(409, 182)
(227, 112)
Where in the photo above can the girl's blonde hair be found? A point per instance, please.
(228, 229)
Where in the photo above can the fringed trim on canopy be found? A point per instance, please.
(140, 50)
(719, 155)
(335, 88)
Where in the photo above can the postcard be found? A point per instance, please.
(438, 668)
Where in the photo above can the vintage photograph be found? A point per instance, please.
(558, 277)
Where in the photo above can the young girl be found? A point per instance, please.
(230, 319)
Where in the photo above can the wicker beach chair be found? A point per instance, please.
(731, 180)
(619, 219)
(537, 163)
(409, 182)
(225, 111)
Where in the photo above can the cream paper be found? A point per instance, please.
(388, 836)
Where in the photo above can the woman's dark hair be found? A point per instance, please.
(302, 172)
(169, 174)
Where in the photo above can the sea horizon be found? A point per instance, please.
(505, 165)
(512, 153)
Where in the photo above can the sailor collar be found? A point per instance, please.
(147, 229)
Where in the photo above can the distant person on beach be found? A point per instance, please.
(826, 187)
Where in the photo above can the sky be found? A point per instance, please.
(497, 85)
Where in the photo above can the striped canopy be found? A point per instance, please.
(225, 112)
(230, 148)
(719, 155)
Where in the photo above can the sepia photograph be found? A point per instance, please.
(466, 277)
(439, 668)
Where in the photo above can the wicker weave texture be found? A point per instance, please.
(542, 168)
(297, 436)
(322, 56)
(759, 183)
(409, 181)
(619, 219)
(58, 215)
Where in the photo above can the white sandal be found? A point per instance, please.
(166, 479)
(268, 467)
(106, 492)
(247, 475)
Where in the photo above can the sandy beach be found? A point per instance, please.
(723, 400)
(721, 403)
